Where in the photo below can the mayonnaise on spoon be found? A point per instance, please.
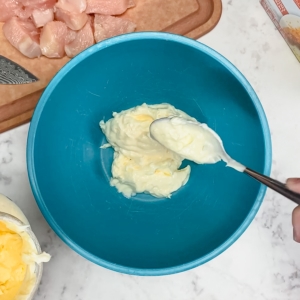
(197, 142)
(192, 140)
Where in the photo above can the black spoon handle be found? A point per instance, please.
(274, 185)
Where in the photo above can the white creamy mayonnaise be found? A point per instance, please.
(192, 140)
(141, 164)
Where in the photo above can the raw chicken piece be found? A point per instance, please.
(73, 20)
(8, 9)
(91, 21)
(108, 7)
(84, 39)
(38, 4)
(13, 8)
(41, 17)
(23, 35)
(24, 12)
(70, 37)
(108, 26)
(75, 6)
(52, 40)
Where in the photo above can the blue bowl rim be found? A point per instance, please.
(123, 39)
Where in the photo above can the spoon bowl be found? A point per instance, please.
(192, 140)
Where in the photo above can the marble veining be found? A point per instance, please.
(264, 264)
(6, 157)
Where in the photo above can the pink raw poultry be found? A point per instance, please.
(37, 9)
(76, 6)
(8, 9)
(84, 39)
(41, 17)
(108, 26)
(24, 12)
(73, 29)
(23, 35)
(108, 7)
(52, 40)
(73, 20)
(71, 35)
(38, 4)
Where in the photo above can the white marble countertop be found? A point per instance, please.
(264, 264)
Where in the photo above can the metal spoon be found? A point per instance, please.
(275, 185)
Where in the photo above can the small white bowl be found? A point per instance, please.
(21, 221)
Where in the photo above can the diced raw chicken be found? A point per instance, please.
(75, 6)
(38, 4)
(52, 40)
(24, 12)
(23, 35)
(8, 9)
(84, 39)
(108, 26)
(108, 7)
(73, 20)
(91, 20)
(41, 17)
(70, 37)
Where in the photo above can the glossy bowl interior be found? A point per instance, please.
(69, 173)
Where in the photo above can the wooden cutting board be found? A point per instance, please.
(192, 18)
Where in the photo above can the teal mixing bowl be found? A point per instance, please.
(69, 173)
